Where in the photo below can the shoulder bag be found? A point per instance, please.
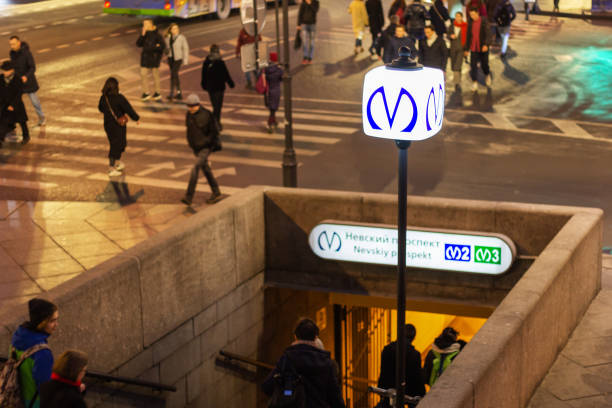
(122, 120)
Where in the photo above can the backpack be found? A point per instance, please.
(503, 18)
(440, 363)
(288, 388)
(10, 389)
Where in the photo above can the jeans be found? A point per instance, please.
(216, 100)
(201, 163)
(175, 83)
(144, 77)
(504, 32)
(309, 32)
(249, 76)
(475, 58)
(36, 103)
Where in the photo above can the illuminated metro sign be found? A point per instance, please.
(403, 104)
(459, 251)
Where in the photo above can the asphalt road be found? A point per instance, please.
(543, 134)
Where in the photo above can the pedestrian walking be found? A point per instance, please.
(274, 77)
(33, 335)
(443, 351)
(177, 49)
(480, 5)
(416, 16)
(359, 15)
(12, 109)
(307, 23)
(305, 358)
(116, 110)
(376, 18)
(153, 46)
(415, 386)
(25, 68)
(555, 6)
(533, 4)
(457, 34)
(398, 8)
(243, 39)
(400, 39)
(203, 138)
(477, 42)
(214, 77)
(65, 390)
(504, 14)
(440, 19)
(432, 50)
(385, 39)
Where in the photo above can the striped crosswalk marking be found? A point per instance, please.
(160, 183)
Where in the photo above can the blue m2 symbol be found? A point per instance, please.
(329, 242)
(391, 117)
(438, 104)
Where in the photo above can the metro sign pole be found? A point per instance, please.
(418, 93)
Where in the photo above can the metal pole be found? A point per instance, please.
(402, 209)
(255, 30)
(289, 159)
(278, 49)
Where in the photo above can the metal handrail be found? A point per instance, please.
(124, 380)
(232, 356)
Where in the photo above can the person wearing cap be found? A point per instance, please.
(214, 77)
(203, 138)
(12, 109)
(443, 351)
(36, 369)
(274, 77)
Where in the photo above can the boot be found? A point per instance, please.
(215, 197)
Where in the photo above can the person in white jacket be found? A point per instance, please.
(178, 54)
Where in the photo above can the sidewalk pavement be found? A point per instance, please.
(43, 244)
(581, 377)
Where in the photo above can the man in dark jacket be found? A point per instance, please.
(443, 351)
(416, 14)
(203, 138)
(307, 20)
(432, 50)
(36, 369)
(25, 68)
(315, 366)
(400, 39)
(477, 42)
(214, 77)
(415, 385)
(504, 14)
(384, 43)
(439, 17)
(153, 45)
(376, 17)
(12, 110)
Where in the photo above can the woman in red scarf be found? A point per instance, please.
(457, 32)
(65, 388)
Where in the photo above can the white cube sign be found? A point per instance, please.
(403, 104)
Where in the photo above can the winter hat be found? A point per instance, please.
(273, 57)
(192, 100)
(7, 65)
(40, 310)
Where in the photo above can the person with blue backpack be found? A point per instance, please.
(443, 351)
(36, 369)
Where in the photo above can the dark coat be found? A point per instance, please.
(153, 45)
(416, 14)
(434, 56)
(318, 372)
(215, 75)
(23, 61)
(438, 13)
(308, 12)
(504, 8)
(415, 384)
(375, 15)
(57, 394)
(394, 45)
(115, 133)
(385, 42)
(485, 34)
(201, 129)
(10, 95)
(274, 76)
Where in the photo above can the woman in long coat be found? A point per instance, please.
(274, 77)
(358, 10)
(12, 109)
(214, 77)
(116, 109)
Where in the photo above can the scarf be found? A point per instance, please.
(462, 28)
(57, 377)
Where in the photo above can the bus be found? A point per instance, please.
(171, 8)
